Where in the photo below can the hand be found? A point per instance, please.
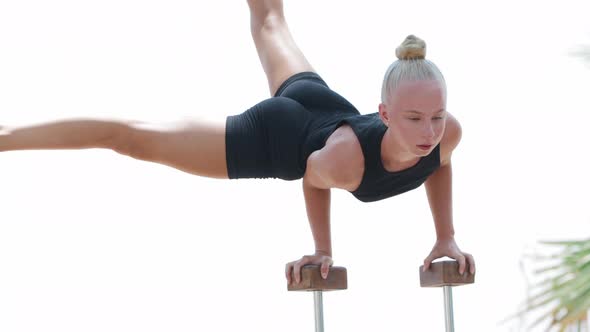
(3, 133)
(448, 247)
(318, 259)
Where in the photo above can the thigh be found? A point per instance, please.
(279, 54)
(190, 145)
(265, 141)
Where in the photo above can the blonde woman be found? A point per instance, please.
(304, 131)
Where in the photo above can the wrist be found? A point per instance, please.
(445, 237)
(323, 253)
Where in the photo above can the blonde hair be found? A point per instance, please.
(410, 66)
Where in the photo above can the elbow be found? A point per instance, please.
(312, 180)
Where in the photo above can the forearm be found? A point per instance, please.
(317, 203)
(439, 191)
(63, 134)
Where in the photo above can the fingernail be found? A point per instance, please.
(324, 275)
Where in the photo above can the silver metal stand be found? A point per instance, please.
(445, 274)
(449, 322)
(319, 311)
(311, 280)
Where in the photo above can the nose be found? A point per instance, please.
(428, 130)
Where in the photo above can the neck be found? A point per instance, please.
(393, 156)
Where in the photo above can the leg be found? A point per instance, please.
(280, 56)
(78, 133)
(190, 146)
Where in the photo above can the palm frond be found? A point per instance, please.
(562, 296)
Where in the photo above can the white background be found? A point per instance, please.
(95, 241)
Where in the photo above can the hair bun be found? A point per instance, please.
(411, 48)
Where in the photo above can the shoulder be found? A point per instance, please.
(450, 139)
(340, 163)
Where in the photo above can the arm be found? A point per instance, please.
(439, 184)
(317, 203)
(439, 192)
(316, 191)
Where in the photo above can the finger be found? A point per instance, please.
(325, 269)
(427, 262)
(297, 269)
(297, 272)
(471, 262)
(288, 268)
(461, 260)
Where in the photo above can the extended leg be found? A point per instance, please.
(74, 133)
(196, 147)
(191, 146)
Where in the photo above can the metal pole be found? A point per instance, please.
(449, 323)
(319, 311)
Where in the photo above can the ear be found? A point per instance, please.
(383, 114)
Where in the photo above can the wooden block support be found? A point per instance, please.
(445, 273)
(311, 279)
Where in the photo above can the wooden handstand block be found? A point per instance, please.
(311, 279)
(445, 273)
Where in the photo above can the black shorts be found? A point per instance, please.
(267, 140)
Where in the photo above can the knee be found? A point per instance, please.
(127, 140)
(265, 16)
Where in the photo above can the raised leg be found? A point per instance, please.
(195, 147)
(279, 55)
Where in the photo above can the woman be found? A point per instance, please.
(305, 131)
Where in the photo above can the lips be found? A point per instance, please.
(424, 147)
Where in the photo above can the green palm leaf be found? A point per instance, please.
(563, 294)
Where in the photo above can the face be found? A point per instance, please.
(416, 115)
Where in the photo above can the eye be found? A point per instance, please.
(418, 119)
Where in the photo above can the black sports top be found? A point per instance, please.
(275, 137)
(377, 183)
